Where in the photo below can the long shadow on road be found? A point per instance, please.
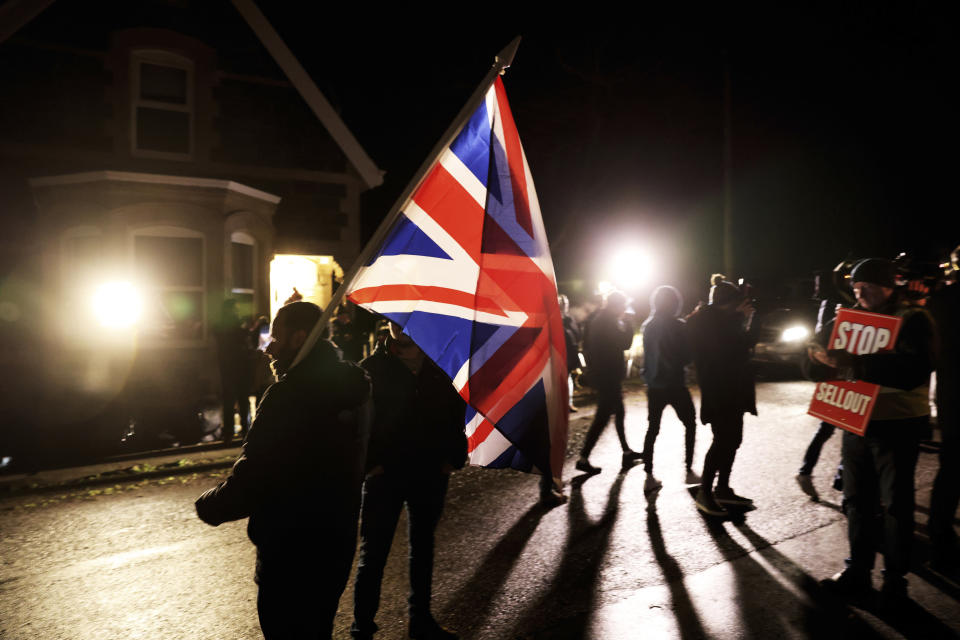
(687, 619)
(563, 611)
(477, 595)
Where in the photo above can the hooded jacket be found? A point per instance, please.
(301, 469)
(666, 346)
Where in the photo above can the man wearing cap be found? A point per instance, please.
(878, 467)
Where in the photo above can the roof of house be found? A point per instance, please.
(16, 14)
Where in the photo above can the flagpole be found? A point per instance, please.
(500, 64)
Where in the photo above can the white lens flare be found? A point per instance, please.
(117, 305)
(795, 334)
(630, 268)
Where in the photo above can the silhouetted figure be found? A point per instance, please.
(347, 336)
(811, 456)
(571, 337)
(945, 307)
(609, 334)
(298, 480)
(878, 467)
(722, 334)
(417, 440)
(234, 356)
(666, 349)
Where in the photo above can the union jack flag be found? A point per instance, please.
(466, 271)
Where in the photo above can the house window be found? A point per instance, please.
(242, 272)
(169, 261)
(162, 104)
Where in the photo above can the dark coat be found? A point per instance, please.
(571, 336)
(721, 353)
(606, 339)
(418, 419)
(301, 470)
(666, 351)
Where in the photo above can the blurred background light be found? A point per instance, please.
(795, 333)
(630, 268)
(117, 305)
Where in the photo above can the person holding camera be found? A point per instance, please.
(722, 335)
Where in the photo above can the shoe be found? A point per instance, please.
(364, 631)
(708, 505)
(553, 498)
(848, 585)
(692, 478)
(651, 484)
(629, 457)
(573, 409)
(584, 465)
(893, 595)
(725, 495)
(430, 630)
(805, 480)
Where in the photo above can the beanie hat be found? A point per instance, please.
(723, 291)
(874, 271)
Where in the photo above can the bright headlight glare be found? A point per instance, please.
(795, 334)
(117, 305)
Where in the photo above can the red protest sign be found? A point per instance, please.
(849, 404)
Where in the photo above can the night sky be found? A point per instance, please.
(839, 127)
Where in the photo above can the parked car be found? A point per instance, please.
(785, 330)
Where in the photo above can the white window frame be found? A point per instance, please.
(241, 237)
(163, 59)
(169, 231)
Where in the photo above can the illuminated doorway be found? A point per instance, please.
(311, 276)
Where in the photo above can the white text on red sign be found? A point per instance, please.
(861, 339)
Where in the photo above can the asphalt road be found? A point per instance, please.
(132, 560)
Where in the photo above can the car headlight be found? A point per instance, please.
(795, 334)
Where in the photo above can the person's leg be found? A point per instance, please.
(895, 458)
(946, 486)
(861, 501)
(424, 507)
(379, 513)
(733, 436)
(683, 405)
(812, 454)
(656, 401)
(619, 418)
(298, 591)
(606, 406)
(229, 402)
(711, 461)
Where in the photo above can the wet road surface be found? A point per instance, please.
(132, 561)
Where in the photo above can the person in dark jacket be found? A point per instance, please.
(609, 334)
(666, 350)
(571, 338)
(722, 334)
(945, 307)
(416, 442)
(298, 480)
(878, 467)
(234, 358)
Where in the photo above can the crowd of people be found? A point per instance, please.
(393, 432)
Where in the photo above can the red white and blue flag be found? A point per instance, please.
(466, 271)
